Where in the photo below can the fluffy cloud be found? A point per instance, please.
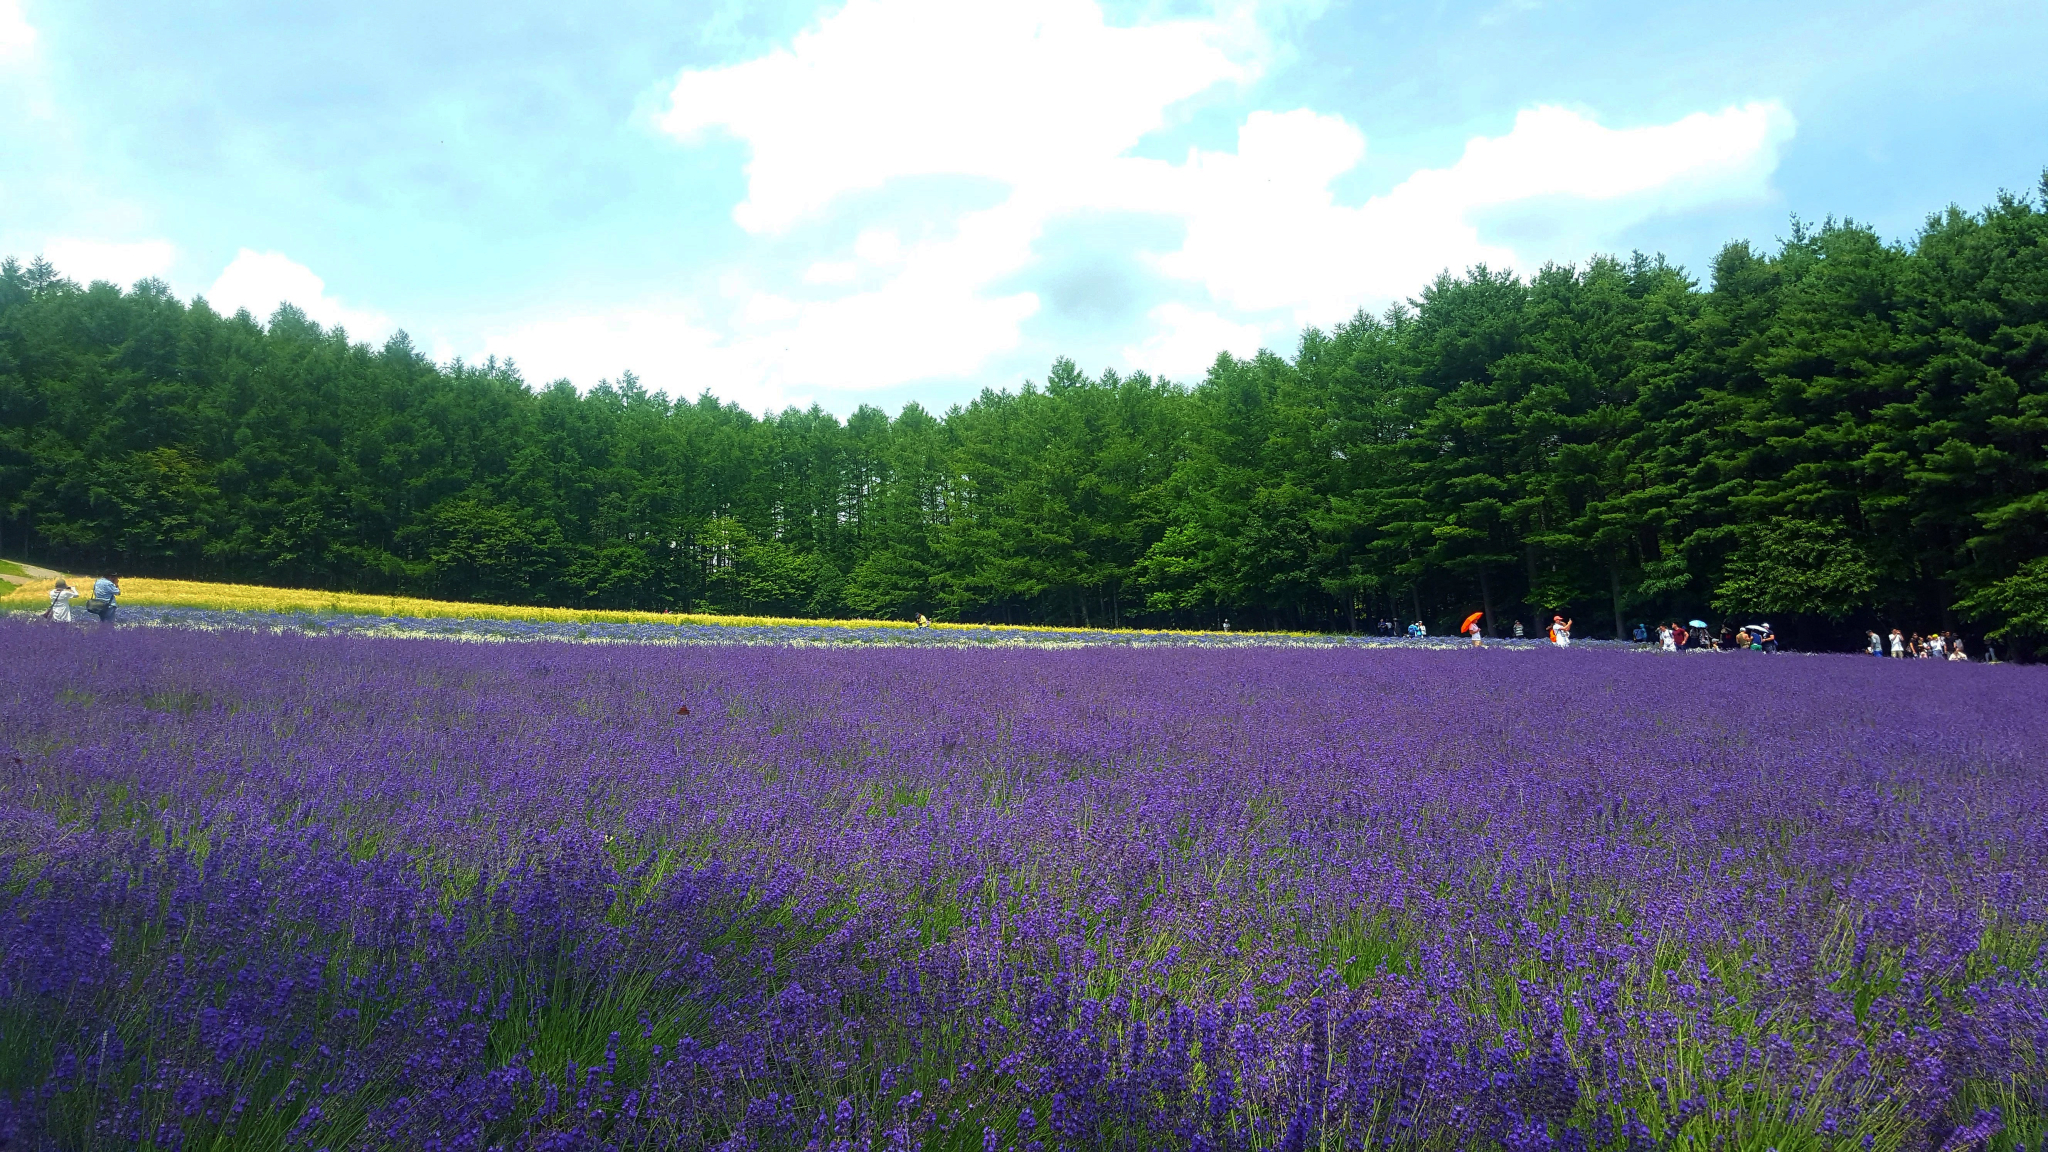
(88, 260)
(1004, 90)
(1184, 341)
(1047, 102)
(17, 35)
(771, 350)
(1265, 232)
(260, 281)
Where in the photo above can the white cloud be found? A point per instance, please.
(999, 89)
(1185, 342)
(1047, 101)
(120, 263)
(1264, 231)
(17, 35)
(260, 281)
(659, 343)
(773, 350)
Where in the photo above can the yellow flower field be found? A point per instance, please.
(143, 592)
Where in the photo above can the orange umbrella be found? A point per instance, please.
(1470, 621)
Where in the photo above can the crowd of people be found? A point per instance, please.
(1698, 636)
(1932, 646)
(105, 591)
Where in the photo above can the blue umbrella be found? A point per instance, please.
(1696, 623)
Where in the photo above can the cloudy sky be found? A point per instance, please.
(886, 200)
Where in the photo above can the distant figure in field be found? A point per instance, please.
(1518, 630)
(1876, 643)
(61, 596)
(1641, 635)
(1898, 644)
(922, 622)
(104, 590)
(1955, 648)
(1937, 647)
(1667, 638)
(1560, 631)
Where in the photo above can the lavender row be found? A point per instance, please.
(289, 890)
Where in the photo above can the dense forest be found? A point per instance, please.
(1838, 432)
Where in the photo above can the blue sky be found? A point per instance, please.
(888, 200)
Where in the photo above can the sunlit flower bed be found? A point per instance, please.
(143, 598)
(270, 889)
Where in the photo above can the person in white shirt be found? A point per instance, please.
(61, 596)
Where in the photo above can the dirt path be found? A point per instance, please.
(32, 573)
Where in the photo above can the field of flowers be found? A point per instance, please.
(144, 592)
(206, 603)
(278, 890)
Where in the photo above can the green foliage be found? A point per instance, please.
(2020, 601)
(1838, 429)
(1796, 566)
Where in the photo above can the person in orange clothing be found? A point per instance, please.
(1560, 631)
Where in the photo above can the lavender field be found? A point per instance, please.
(286, 891)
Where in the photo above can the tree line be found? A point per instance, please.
(1835, 432)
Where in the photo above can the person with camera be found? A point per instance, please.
(104, 591)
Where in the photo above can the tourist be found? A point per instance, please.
(61, 596)
(1955, 648)
(1898, 644)
(1667, 637)
(1641, 636)
(1937, 648)
(1876, 644)
(1519, 634)
(104, 590)
(1560, 631)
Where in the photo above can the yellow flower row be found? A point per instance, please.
(142, 592)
